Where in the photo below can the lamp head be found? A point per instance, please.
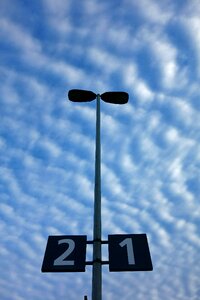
(76, 95)
(81, 95)
(115, 97)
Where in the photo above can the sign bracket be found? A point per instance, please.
(97, 240)
(102, 262)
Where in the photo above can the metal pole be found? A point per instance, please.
(97, 267)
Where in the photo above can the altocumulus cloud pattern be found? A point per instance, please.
(150, 147)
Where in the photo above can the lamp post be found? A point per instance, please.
(97, 267)
(109, 97)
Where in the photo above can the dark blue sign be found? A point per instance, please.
(65, 253)
(129, 252)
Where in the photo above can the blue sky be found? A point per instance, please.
(150, 147)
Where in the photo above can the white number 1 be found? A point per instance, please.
(129, 244)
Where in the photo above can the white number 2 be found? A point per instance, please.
(129, 244)
(60, 260)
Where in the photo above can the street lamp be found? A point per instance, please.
(77, 95)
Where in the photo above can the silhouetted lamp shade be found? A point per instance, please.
(81, 95)
(115, 97)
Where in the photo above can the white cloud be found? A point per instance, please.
(155, 12)
(136, 84)
(112, 182)
(7, 210)
(127, 163)
(172, 135)
(58, 9)
(191, 25)
(185, 112)
(18, 36)
(31, 52)
(165, 57)
(104, 60)
(50, 147)
(73, 75)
